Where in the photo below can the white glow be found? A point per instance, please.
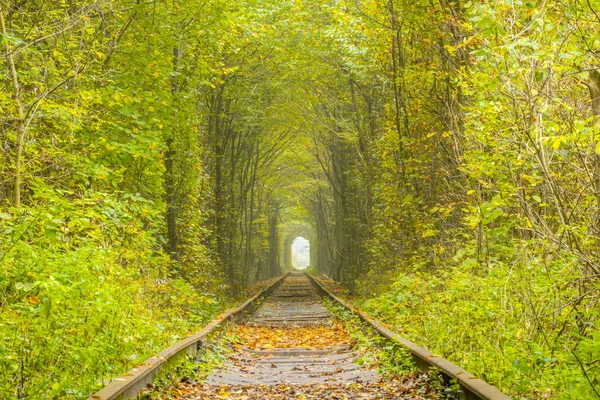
(300, 253)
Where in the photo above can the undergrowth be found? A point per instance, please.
(86, 295)
(210, 356)
(392, 359)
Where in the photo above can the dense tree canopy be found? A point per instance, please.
(159, 157)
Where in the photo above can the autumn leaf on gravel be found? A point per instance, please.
(413, 386)
(306, 337)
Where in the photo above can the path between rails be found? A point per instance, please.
(294, 348)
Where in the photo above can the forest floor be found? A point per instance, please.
(293, 347)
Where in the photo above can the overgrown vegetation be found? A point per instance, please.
(193, 369)
(393, 360)
(441, 156)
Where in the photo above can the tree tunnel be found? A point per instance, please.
(290, 234)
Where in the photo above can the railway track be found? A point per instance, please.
(291, 347)
(292, 310)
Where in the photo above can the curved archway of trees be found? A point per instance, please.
(441, 156)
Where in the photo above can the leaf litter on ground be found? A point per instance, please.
(413, 386)
(410, 386)
(311, 337)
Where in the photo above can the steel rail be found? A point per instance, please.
(472, 387)
(130, 384)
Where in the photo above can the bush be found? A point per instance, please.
(86, 292)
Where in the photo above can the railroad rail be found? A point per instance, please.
(130, 384)
(472, 387)
(293, 300)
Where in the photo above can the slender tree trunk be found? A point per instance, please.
(274, 267)
(287, 253)
(398, 101)
(593, 85)
(323, 248)
(20, 123)
(342, 250)
(170, 187)
(250, 235)
(171, 200)
(223, 197)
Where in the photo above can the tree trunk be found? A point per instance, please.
(274, 268)
(21, 114)
(170, 187)
(171, 200)
(593, 85)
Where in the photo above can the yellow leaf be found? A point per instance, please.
(598, 148)
(33, 300)
(556, 144)
(100, 55)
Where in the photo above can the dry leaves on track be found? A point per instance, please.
(414, 386)
(306, 337)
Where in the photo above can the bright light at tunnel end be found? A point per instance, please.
(300, 253)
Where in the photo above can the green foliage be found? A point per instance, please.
(392, 359)
(442, 157)
(87, 289)
(86, 297)
(213, 355)
(493, 331)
